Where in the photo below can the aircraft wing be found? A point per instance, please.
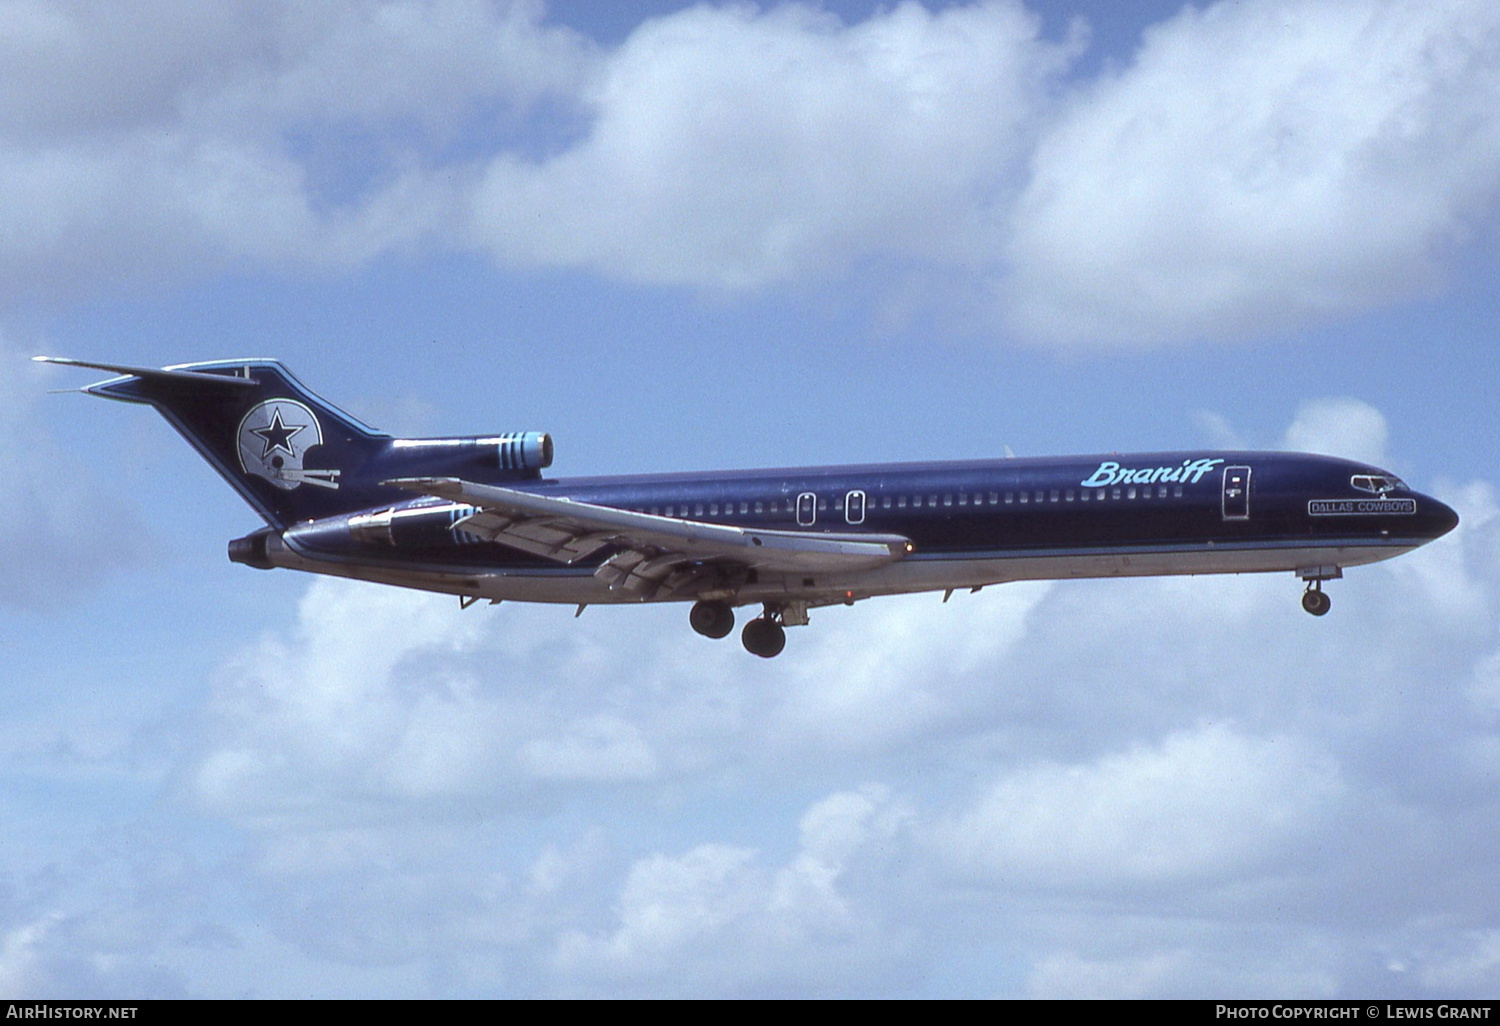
(657, 554)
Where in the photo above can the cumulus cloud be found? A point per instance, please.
(1207, 800)
(152, 144)
(1103, 785)
(1259, 165)
(1253, 167)
(1346, 427)
(1190, 752)
(717, 920)
(732, 148)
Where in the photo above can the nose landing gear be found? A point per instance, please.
(1313, 599)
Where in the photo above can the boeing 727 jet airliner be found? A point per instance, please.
(475, 517)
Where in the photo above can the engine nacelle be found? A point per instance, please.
(518, 454)
(523, 450)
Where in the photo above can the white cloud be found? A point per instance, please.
(1207, 802)
(360, 701)
(867, 680)
(732, 148)
(1066, 788)
(1345, 427)
(717, 920)
(1194, 743)
(153, 144)
(1257, 166)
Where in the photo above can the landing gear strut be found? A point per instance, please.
(712, 619)
(1313, 599)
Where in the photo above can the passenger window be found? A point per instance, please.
(1069, 496)
(1053, 497)
(1008, 497)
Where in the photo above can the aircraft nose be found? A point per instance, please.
(1438, 518)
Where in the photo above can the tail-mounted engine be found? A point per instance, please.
(523, 450)
(515, 455)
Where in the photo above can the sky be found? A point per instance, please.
(734, 235)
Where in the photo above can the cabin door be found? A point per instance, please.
(1236, 493)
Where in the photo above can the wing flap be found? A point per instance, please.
(568, 530)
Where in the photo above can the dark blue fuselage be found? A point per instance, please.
(476, 518)
(971, 523)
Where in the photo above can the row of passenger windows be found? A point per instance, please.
(1040, 496)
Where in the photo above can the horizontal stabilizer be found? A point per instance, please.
(165, 374)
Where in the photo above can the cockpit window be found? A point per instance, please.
(1377, 484)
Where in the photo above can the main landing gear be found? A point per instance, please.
(1313, 599)
(764, 636)
(712, 619)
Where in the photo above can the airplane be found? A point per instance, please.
(476, 518)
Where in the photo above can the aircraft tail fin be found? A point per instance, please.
(289, 453)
